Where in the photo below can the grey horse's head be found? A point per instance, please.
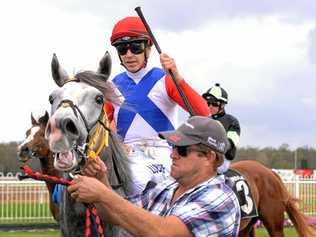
(76, 107)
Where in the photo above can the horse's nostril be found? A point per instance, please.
(25, 149)
(71, 127)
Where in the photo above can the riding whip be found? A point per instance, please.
(184, 98)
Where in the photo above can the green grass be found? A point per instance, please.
(30, 234)
(24, 209)
(23, 213)
(288, 232)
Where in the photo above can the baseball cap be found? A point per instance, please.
(196, 130)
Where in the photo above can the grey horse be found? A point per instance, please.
(78, 126)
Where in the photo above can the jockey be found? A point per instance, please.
(216, 98)
(149, 99)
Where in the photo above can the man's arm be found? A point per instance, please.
(135, 220)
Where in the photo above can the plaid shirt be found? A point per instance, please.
(209, 209)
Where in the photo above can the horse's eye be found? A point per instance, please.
(51, 99)
(99, 99)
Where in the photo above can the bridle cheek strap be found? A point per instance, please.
(100, 138)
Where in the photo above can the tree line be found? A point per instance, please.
(281, 157)
(277, 158)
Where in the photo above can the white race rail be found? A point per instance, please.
(24, 202)
(27, 201)
(304, 189)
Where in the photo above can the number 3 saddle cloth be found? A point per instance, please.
(241, 188)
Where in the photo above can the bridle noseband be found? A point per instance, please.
(86, 150)
(94, 144)
(68, 103)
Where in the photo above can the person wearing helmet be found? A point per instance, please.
(216, 98)
(149, 99)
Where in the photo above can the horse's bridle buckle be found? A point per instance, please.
(64, 104)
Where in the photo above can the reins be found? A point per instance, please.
(99, 141)
(96, 143)
(91, 211)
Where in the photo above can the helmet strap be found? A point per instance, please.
(121, 60)
(221, 108)
(145, 59)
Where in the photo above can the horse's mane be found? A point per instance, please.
(122, 164)
(100, 82)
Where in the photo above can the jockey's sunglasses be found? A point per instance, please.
(214, 103)
(136, 47)
(185, 150)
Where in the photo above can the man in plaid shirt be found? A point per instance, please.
(195, 203)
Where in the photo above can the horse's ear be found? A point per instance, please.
(34, 121)
(44, 119)
(59, 74)
(105, 65)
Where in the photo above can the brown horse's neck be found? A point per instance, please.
(47, 167)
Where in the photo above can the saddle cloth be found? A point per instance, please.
(242, 190)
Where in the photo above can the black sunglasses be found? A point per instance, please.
(214, 104)
(135, 47)
(185, 150)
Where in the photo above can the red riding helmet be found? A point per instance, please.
(129, 29)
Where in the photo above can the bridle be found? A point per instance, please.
(98, 141)
(95, 143)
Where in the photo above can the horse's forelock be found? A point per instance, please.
(100, 82)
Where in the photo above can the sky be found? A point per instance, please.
(262, 52)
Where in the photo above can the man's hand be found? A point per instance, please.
(97, 169)
(87, 189)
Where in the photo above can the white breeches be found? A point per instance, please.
(148, 162)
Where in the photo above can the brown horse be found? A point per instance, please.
(272, 200)
(35, 146)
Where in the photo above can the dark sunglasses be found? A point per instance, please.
(135, 47)
(214, 104)
(185, 150)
